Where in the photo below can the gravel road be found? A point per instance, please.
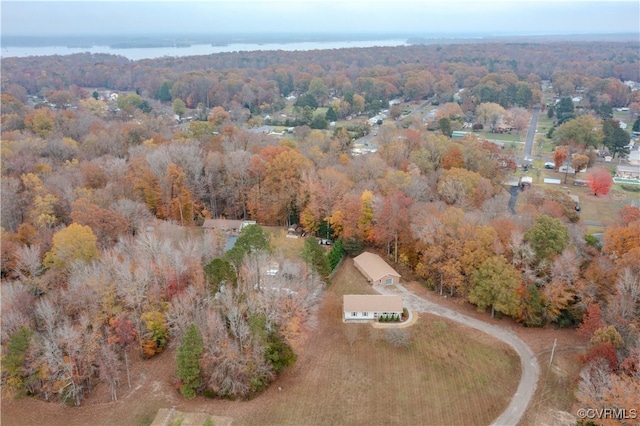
(529, 364)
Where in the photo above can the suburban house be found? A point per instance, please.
(370, 307)
(228, 226)
(375, 269)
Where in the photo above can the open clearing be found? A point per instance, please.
(346, 374)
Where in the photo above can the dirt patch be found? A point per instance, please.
(171, 416)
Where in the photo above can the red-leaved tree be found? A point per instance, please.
(600, 181)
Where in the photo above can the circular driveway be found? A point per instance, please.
(528, 362)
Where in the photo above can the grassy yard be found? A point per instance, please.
(602, 209)
(506, 137)
(350, 374)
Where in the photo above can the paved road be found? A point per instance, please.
(422, 106)
(593, 223)
(531, 133)
(528, 361)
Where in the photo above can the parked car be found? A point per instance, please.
(550, 165)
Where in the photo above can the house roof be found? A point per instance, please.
(222, 224)
(371, 303)
(374, 266)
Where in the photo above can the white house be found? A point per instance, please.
(375, 269)
(370, 307)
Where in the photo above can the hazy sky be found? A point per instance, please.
(327, 16)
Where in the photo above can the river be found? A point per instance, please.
(193, 50)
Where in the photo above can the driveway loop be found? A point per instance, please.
(528, 362)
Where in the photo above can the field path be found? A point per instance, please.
(529, 364)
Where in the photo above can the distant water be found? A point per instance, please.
(193, 50)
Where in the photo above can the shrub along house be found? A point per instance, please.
(375, 269)
(370, 307)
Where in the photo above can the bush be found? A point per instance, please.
(630, 188)
(592, 241)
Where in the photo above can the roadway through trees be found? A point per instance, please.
(528, 362)
(528, 145)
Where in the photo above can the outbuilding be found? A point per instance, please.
(375, 269)
(225, 225)
(368, 307)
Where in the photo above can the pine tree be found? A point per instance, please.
(13, 360)
(315, 257)
(188, 360)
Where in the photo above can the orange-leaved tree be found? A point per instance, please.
(560, 156)
(600, 181)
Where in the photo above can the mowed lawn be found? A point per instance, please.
(448, 374)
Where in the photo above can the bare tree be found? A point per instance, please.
(28, 262)
(351, 331)
(398, 337)
(17, 308)
(109, 366)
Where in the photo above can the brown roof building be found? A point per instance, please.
(375, 269)
(225, 225)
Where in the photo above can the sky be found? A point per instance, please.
(495, 17)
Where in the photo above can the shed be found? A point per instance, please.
(370, 307)
(375, 269)
(457, 134)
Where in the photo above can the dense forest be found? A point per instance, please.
(110, 166)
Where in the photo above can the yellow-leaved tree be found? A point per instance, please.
(73, 243)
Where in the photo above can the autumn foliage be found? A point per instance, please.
(103, 255)
(600, 181)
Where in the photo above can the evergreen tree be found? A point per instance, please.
(218, 273)
(188, 361)
(335, 255)
(550, 112)
(163, 93)
(278, 353)
(314, 255)
(444, 124)
(331, 114)
(13, 359)
(251, 239)
(306, 100)
(565, 110)
(615, 138)
(636, 125)
(319, 122)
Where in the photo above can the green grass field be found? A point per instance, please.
(499, 136)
